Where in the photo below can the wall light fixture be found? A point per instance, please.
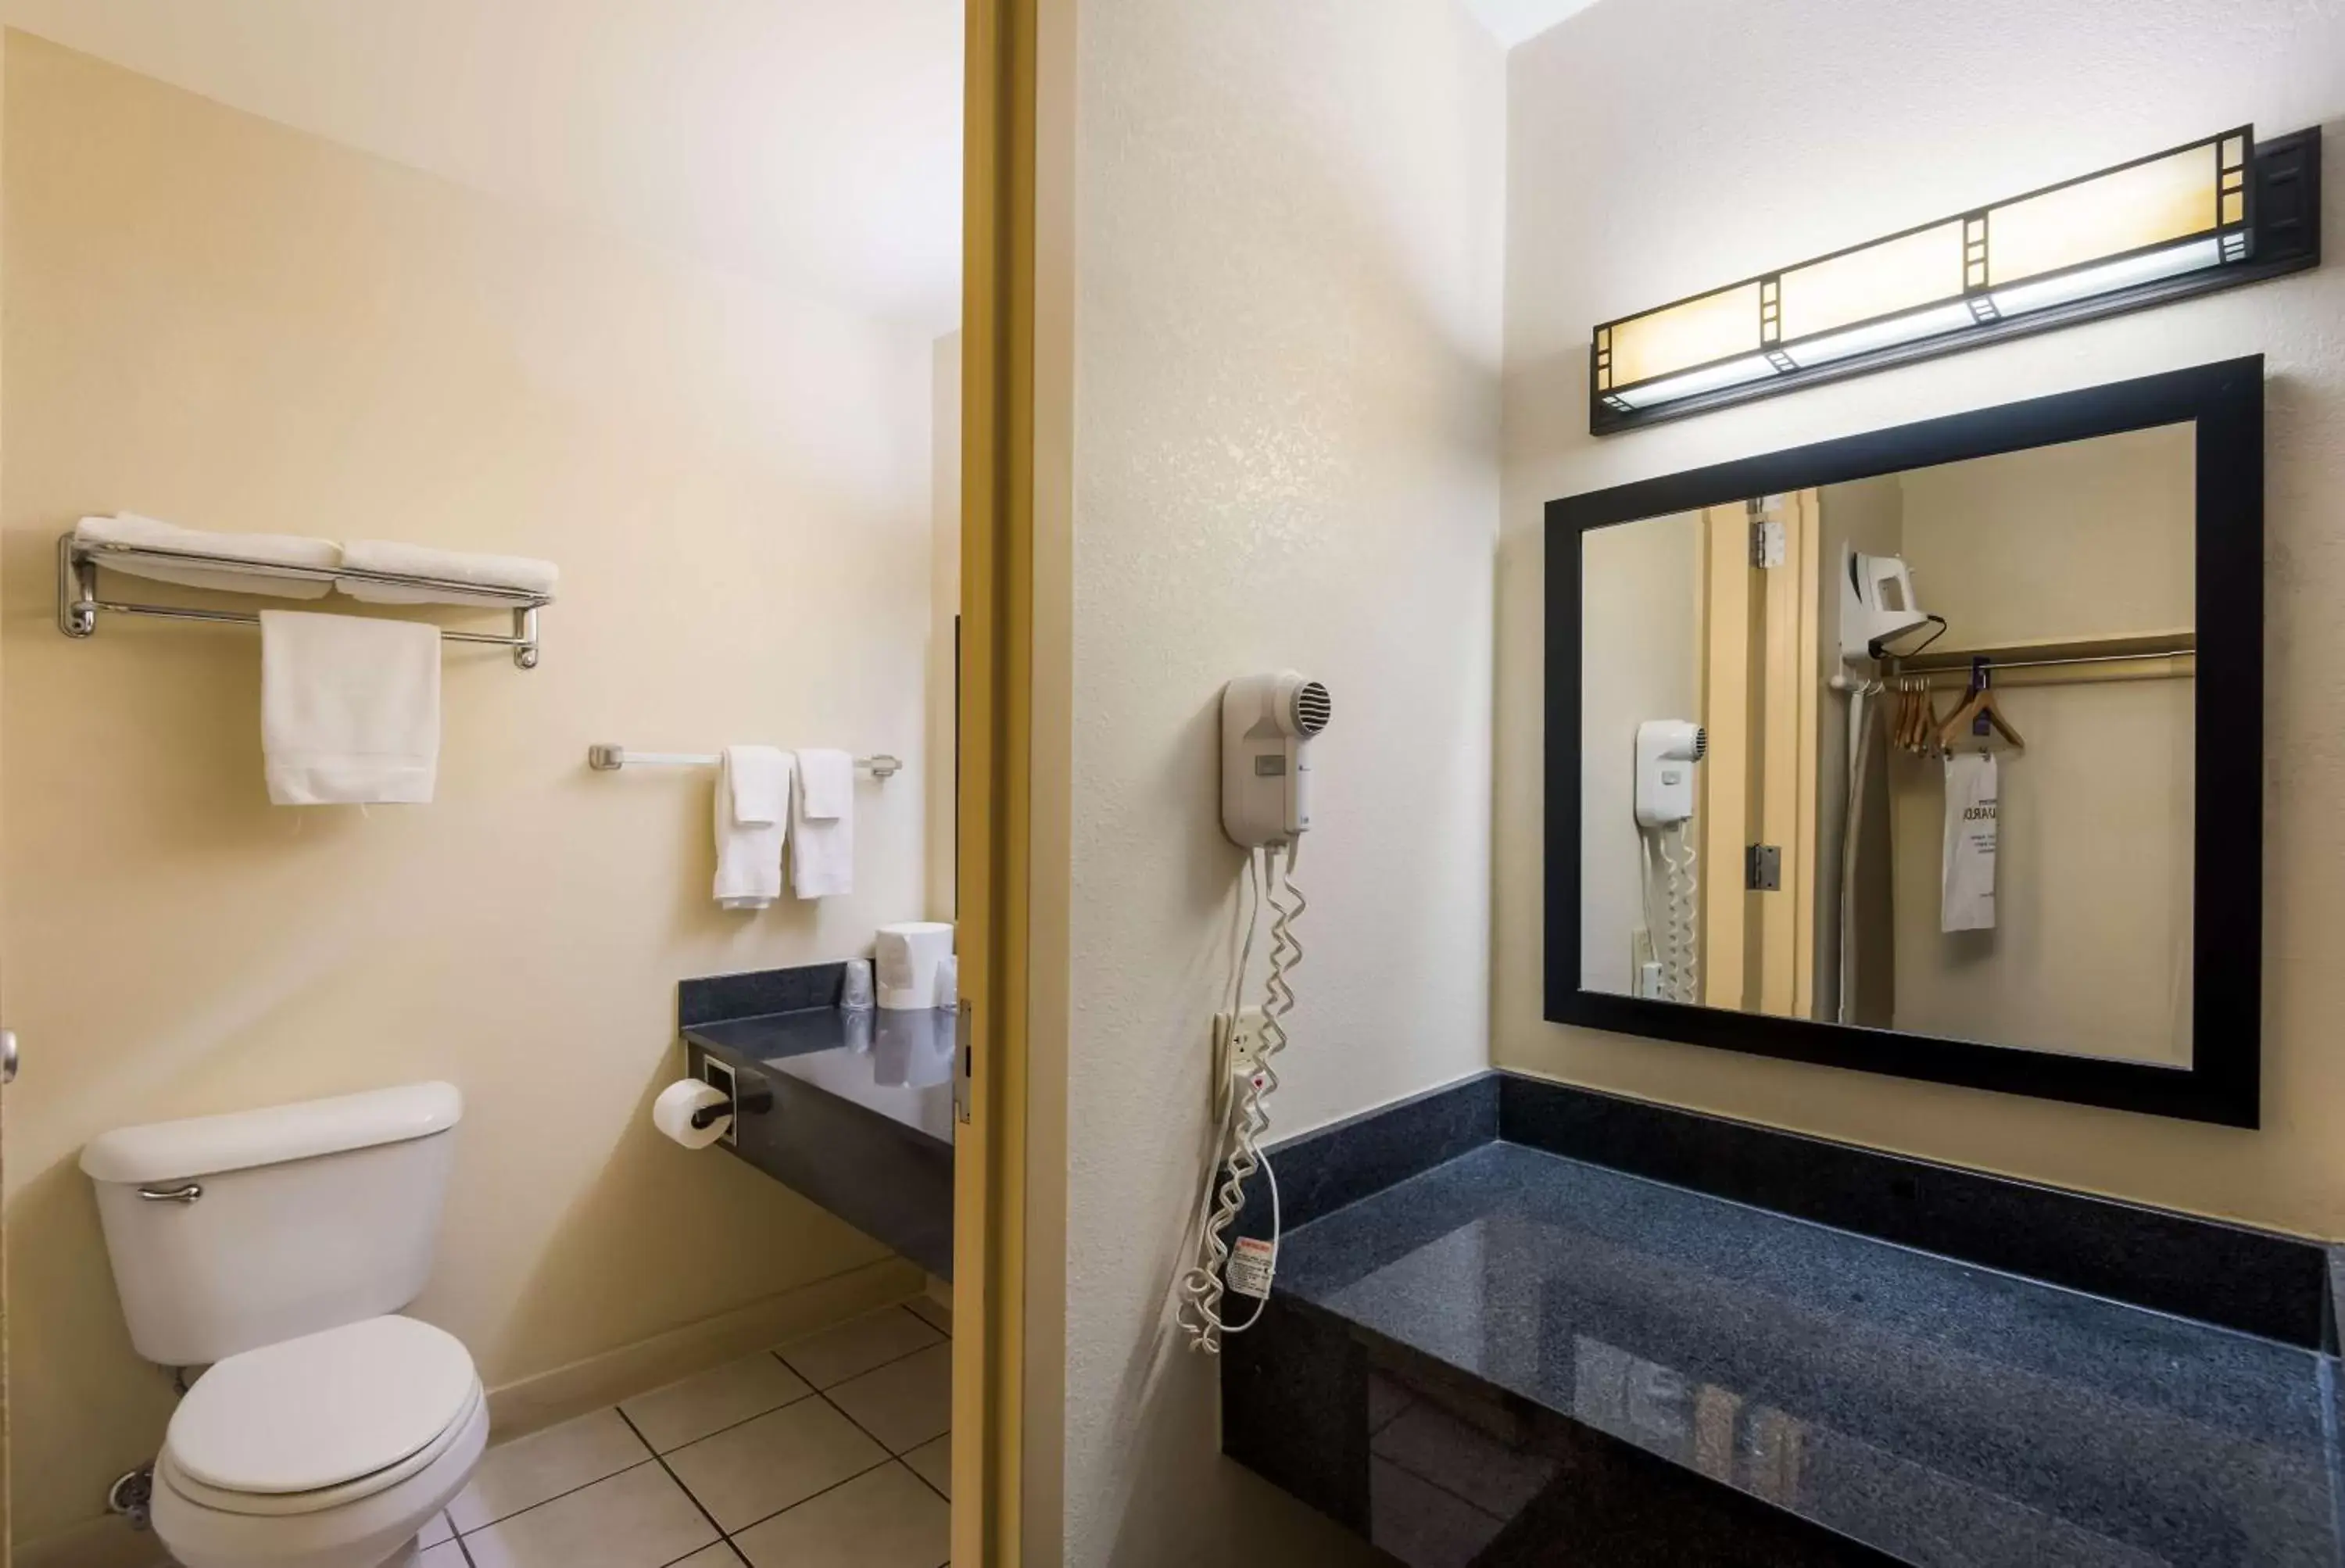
(2218, 212)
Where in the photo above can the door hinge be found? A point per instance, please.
(964, 1061)
(1766, 542)
(1763, 868)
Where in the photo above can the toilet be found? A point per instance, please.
(274, 1247)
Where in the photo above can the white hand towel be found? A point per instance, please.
(1967, 897)
(822, 848)
(350, 709)
(753, 787)
(828, 780)
(275, 549)
(760, 778)
(515, 572)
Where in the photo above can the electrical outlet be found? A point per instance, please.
(1237, 1049)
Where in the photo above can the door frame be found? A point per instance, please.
(1016, 412)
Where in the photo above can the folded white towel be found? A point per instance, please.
(753, 787)
(350, 709)
(822, 848)
(516, 571)
(274, 549)
(760, 776)
(828, 780)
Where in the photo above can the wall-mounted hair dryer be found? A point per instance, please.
(1877, 603)
(1267, 723)
(1669, 966)
(1667, 749)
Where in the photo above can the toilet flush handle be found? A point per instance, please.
(187, 1193)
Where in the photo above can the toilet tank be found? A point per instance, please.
(232, 1232)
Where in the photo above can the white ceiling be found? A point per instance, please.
(1512, 20)
(810, 141)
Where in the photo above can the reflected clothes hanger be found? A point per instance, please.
(1979, 710)
(1916, 720)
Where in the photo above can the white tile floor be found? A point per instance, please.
(829, 1452)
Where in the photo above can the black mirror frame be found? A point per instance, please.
(2223, 1082)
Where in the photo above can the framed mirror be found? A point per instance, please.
(1936, 751)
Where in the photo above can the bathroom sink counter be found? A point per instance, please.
(1473, 1364)
(861, 1117)
(897, 1065)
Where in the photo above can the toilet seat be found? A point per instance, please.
(364, 1532)
(319, 1421)
(278, 1504)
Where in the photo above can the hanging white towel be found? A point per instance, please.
(822, 848)
(753, 790)
(828, 780)
(350, 709)
(273, 549)
(760, 778)
(1967, 901)
(520, 573)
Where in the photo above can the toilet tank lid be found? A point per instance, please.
(208, 1146)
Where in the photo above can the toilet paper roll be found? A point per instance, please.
(672, 1112)
(908, 955)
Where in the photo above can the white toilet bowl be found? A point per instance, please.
(331, 1450)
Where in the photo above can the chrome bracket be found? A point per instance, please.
(76, 591)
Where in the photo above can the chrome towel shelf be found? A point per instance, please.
(611, 759)
(79, 604)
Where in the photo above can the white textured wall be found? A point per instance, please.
(1288, 236)
(1660, 146)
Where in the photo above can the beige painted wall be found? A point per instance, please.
(1287, 248)
(2091, 945)
(1614, 207)
(1640, 652)
(230, 324)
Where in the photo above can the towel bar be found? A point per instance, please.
(79, 604)
(606, 758)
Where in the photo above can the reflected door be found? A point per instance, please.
(1757, 819)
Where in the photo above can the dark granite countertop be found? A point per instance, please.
(897, 1063)
(1942, 1413)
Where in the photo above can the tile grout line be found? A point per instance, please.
(661, 1460)
(932, 1486)
(892, 1456)
(656, 1457)
(942, 1339)
(729, 1426)
(875, 1437)
(558, 1496)
(809, 1497)
(923, 1479)
(942, 1495)
(654, 1453)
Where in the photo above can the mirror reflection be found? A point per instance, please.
(1913, 752)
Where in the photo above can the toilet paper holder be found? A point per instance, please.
(746, 1093)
